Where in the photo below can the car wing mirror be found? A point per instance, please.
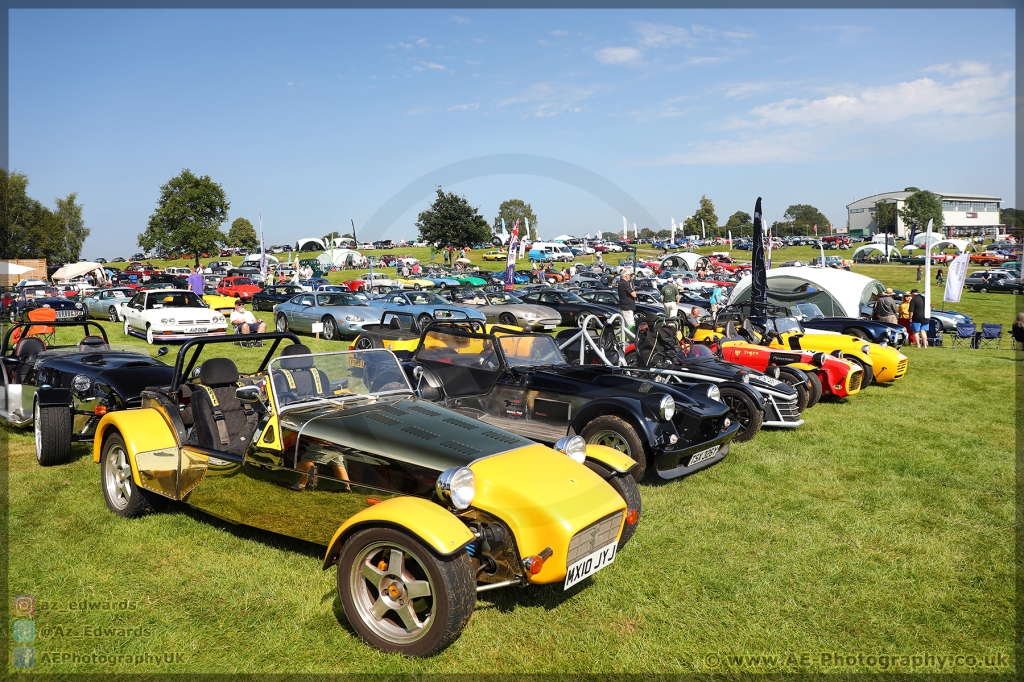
(162, 351)
(248, 394)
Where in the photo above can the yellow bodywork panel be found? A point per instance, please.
(431, 523)
(545, 498)
(143, 430)
(219, 303)
(611, 458)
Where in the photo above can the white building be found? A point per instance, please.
(962, 214)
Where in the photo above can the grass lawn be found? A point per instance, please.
(882, 527)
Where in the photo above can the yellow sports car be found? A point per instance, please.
(416, 283)
(222, 304)
(495, 255)
(418, 507)
(401, 332)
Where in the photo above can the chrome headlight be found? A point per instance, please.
(163, 320)
(714, 393)
(666, 408)
(456, 487)
(78, 305)
(531, 316)
(81, 383)
(865, 349)
(773, 371)
(573, 446)
(353, 318)
(172, 320)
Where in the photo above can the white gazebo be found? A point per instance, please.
(887, 250)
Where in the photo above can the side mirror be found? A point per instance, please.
(162, 351)
(248, 394)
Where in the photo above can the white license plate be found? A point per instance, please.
(196, 330)
(548, 327)
(589, 565)
(703, 455)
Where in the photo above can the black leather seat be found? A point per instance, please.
(296, 377)
(25, 352)
(93, 343)
(222, 422)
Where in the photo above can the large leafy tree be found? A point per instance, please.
(803, 218)
(739, 223)
(1013, 218)
(516, 209)
(188, 216)
(885, 216)
(243, 235)
(705, 211)
(450, 220)
(919, 208)
(31, 230)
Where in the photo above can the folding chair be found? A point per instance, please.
(964, 336)
(991, 336)
(1016, 338)
(934, 333)
(46, 332)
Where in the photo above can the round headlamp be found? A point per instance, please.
(353, 318)
(865, 348)
(714, 393)
(666, 408)
(773, 371)
(78, 305)
(81, 383)
(573, 446)
(163, 320)
(456, 487)
(171, 320)
(818, 359)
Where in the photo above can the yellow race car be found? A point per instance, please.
(400, 332)
(222, 304)
(416, 283)
(419, 508)
(495, 255)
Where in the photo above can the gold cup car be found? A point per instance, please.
(419, 508)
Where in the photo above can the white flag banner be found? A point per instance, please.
(928, 271)
(702, 233)
(673, 239)
(625, 228)
(955, 278)
(635, 231)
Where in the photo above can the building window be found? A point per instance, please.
(948, 205)
(856, 210)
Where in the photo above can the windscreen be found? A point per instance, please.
(808, 310)
(531, 351)
(339, 299)
(340, 376)
(425, 298)
(785, 324)
(176, 299)
(502, 299)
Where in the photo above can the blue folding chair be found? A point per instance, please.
(991, 336)
(964, 336)
(934, 333)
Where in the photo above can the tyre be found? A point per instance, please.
(745, 411)
(149, 334)
(983, 290)
(330, 328)
(401, 598)
(281, 323)
(628, 490)
(417, 287)
(423, 320)
(869, 375)
(856, 332)
(392, 386)
(816, 389)
(53, 435)
(619, 434)
(798, 380)
(127, 327)
(112, 314)
(123, 497)
(12, 315)
(365, 342)
(507, 319)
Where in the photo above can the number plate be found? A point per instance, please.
(548, 327)
(196, 330)
(589, 565)
(703, 455)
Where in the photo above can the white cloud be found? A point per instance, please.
(465, 107)
(546, 100)
(967, 68)
(559, 33)
(617, 55)
(704, 60)
(419, 110)
(429, 65)
(662, 35)
(461, 21)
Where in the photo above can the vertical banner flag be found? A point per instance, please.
(625, 228)
(887, 245)
(703, 234)
(955, 278)
(831, 230)
(673, 239)
(815, 230)
(263, 248)
(510, 262)
(730, 240)
(526, 235)
(758, 268)
(636, 232)
(928, 271)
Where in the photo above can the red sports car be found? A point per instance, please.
(239, 287)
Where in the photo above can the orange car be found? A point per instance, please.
(988, 258)
(239, 287)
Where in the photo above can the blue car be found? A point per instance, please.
(426, 306)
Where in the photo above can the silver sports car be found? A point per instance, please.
(341, 313)
(504, 308)
(105, 303)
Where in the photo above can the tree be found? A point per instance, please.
(739, 222)
(451, 220)
(516, 209)
(188, 216)
(705, 211)
(1013, 218)
(31, 230)
(242, 235)
(804, 217)
(885, 216)
(71, 227)
(919, 208)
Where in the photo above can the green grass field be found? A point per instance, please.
(884, 527)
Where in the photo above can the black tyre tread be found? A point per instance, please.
(55, 427)
(613, 423)
(816, 389)
(392, 386)
(277, 321)
(423, 320)
(368, 341)
(505, 317)
(856, 332)
(336, 334)
(141, 502)
(456, 573)
(729, 396)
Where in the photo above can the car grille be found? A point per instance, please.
(68, 314)
(788, 410)
(193, 322)
(594, 536)
(901, 368)
(853, 380)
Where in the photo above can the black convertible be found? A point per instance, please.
(65, 389)
(29, 298)
(521, 383)
(571, 307)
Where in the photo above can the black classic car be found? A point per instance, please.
(65, 389)
(26, 299)
(571, 307)
(272, 295)
(521, 383)
(871, 330)
(610, 297)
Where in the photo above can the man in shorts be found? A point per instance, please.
(245, 322)
(918, 322)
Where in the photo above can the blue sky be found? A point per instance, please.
(322, 116)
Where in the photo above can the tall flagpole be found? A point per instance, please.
(928, 271)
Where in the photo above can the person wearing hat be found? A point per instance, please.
(885, 307)
(244, 321)
(627, 297)
(904, 315)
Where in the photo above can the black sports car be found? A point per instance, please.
(872, 330)
(272, 295)
(571, 307)
(65, 389)
(521, 383)
(610, 297)
(31, 297)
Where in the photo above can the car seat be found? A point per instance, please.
(295, 377)
(222, 422)
(26, 351)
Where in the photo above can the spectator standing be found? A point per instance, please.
(938, 275)
(627, 297)
(196, 283)
(920, 272)
(918, 322)
(903, 315)
(885, 308)
(670, 297)
(715, 300)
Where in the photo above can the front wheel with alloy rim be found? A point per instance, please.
(815, 395)
(150, 338)
(330, 328)
(281, 323)
(507, 319)
(399, 596)
(112, 314)
(123, 497)
(53, 435)
(617, 433)
(745, 411)
(798, 380)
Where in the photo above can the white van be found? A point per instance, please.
(550, 251)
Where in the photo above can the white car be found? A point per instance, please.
(380, 279)
(365, 246)
(170, 315)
